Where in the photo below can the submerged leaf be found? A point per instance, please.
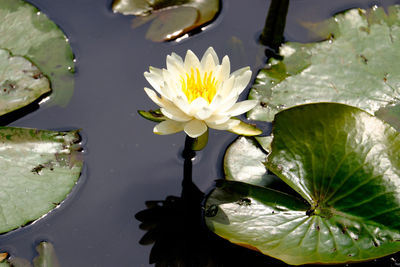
(47, 258)
(358, 65)
(25, 31)
(39, 169)
(344, 164)
(171, 18)
(21, 82)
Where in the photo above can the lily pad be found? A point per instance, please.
(26, 31)
(245, 161)
(21, 82)
(171, 19)
(344, 163)
(47, 258)
(358, 65)
(39, 169)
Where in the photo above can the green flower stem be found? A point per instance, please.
(272, 34)
(188, 155)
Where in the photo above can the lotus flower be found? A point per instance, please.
(196, 94)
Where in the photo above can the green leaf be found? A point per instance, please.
(21, 82)
(200, 142)
(47, 258)
(39, 169)
(344, 163)
(25, 31)
(245, 129)
(152, 115)
(171, 18)
(245, 161)
(358, 65)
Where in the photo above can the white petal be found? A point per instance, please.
(169, 84)
(203, 113)
(182, 103)
(210, 51)
(175, 114)
(195, 128)
(224, 70)
(191, 61)
(241, 107)
(227, 103)
(168, 127)
(208, 64)
(162, 102)
(217, 119)
(174, 65)
(154, 97)
(177, 58)
(155, 70)
(240, 72)
(155, 79)
(226, 87)
(241, 81)
(197, 105)
(224, 126)
(215, 102)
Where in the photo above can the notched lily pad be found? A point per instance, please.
(27, 32)
(21, 82)
(345, 165)
(39, 169)
(358, 65)
(171, 19)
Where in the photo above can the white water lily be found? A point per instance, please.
(195, 94)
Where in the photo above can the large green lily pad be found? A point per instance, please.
(21, 82)
(171, 19)
(39, 169)
(25, 31)
(358, 65)
(344, 164)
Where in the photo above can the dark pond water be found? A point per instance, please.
(125, 163)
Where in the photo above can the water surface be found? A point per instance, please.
(125, 163)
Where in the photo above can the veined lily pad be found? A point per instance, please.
(25, 31)
(39, 169)
(358, 65)
(344, 163)
(21, 82)
(171, 18)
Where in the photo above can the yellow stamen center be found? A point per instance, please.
(195, 86)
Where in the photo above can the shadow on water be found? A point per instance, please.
(176, 228)
(21, 112)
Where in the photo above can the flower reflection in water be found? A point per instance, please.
(176, 228)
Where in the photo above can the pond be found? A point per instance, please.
(125, 163)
